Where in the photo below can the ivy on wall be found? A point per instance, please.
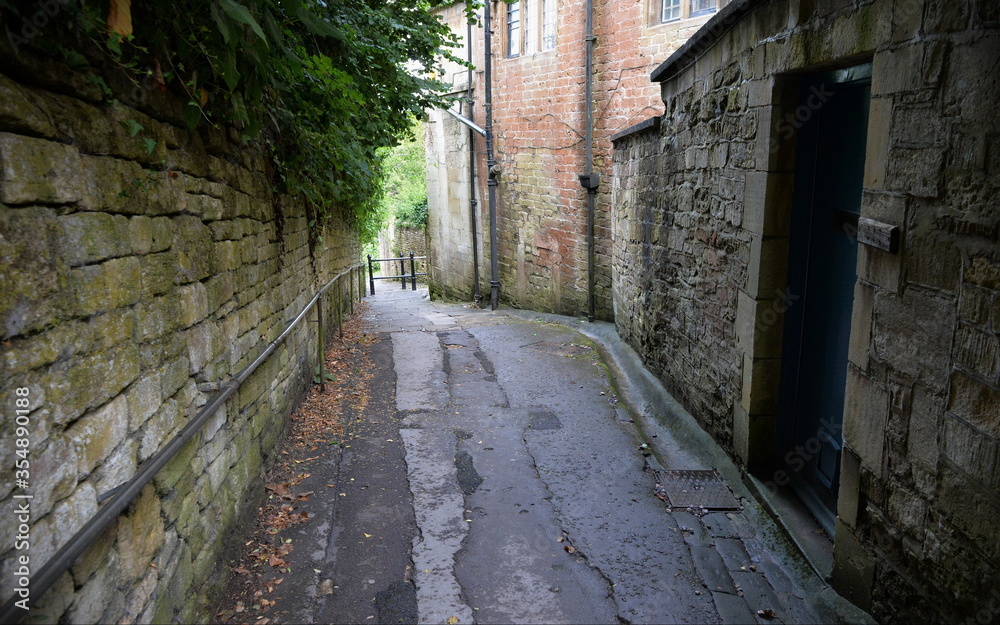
(323, 85)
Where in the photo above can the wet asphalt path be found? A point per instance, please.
(498, 479)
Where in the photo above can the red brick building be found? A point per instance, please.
(539, 52)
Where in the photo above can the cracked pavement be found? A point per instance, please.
(500, 480)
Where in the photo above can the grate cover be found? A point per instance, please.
(696, 489)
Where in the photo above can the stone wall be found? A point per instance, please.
(134, 283)
(410, 240)
(700, 225)
(680, 256)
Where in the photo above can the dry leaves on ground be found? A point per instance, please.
(318, 426)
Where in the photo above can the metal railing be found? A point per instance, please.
(402, 270)
(121, 496)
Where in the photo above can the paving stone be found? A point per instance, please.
(733, 609)
(712, 569)
(733, 553)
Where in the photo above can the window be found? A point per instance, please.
(514, 29)
(531, 27)
(674, 10)
(548, 25)
(671, 10)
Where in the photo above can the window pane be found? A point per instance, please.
(671, 10)
(703, 7)
(548, 24)
(529, 26)
(514, 29)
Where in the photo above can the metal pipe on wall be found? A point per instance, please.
(589, 179)
(476, 295)
(491, 165)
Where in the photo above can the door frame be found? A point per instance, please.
(761, 305)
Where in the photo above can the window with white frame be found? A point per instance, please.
(531, 27)
(676, 10)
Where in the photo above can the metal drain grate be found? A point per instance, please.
(696, 489)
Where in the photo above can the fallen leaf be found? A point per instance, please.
(120, 17)
(452, 620)
(241, 571)
(766, 614)
(570, 549)
(279, 489)
(368, 535)
(274, 560)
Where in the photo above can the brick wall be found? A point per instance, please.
(700, 229)
(539, 118)
(134, 284)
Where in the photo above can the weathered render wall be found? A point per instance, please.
(134, 284)
(700, 224)
(449, 217)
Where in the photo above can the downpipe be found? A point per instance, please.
(477, 296)
(590, 180)
(491, 164)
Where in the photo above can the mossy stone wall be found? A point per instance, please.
(135, 283)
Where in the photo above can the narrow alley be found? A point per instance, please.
(497, 474)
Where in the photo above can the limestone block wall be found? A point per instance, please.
(700, 215)
(134, 283)
(410, 240)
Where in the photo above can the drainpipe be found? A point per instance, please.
(491, 164)
(476, 295)
(590, 180)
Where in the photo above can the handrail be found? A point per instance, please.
(95, 526)
(382, 260)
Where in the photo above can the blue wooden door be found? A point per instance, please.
(829, 168)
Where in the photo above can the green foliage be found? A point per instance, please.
(413, 216)
(405, 182)
(323, 85)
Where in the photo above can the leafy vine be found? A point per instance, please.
(321, 84)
